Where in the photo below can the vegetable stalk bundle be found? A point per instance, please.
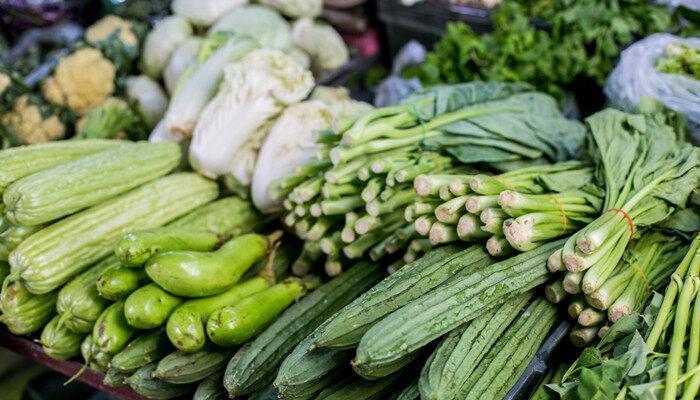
(654, 355)
(370, 160)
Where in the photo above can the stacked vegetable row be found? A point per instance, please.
(365, 166)
(653, 355)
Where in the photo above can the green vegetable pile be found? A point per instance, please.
(569, 40)
(680, 59)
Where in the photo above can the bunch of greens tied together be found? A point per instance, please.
(366, 167)
(650, 356)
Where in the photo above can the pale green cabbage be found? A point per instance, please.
(325, 46)
(297, 8)
(161, 42)
(262, 23)
(204, 12)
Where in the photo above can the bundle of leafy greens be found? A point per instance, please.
(647, 174)
(650, 356)
(351, 200)
(576, 38)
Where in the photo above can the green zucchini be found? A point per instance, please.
(236, 324)
(149, 307)
(66, 188)
(79, 304)
(345, 328)
(211, 388)
(199, 274)
(356, 388)
(18, 162)
(305, 371)
(186, 325)
(49, 258)
(460, 352)
(144, 383)
(181, 368)
(135, 248)
(58, 342)
(24, 312)
(111, 331)
(507, 359)
(115, 378)
(457, 301)
(118, 282)
(254, 362)
(145, 349)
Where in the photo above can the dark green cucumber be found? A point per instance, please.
(461, 350)
(135, 248)
(181, 368)
(345, 329)
(59, 342)
(508, 358)
(112, 332)
(144, 383)
(236, 324)
(79, 303)
(305, 371)
(410, 392)
(211, 388)
(356, 388)
(266, 393)
(371, 372)
(143, 350)
(186, 325)
(457, 301)
(258, 359)
(115, 378)
(117, 283)
(149, 307)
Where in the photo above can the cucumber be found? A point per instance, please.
(305, 371)
(507, 359)
(409, 392)
(356, 388)
(181, 368)
(240, 322)
(345, 328)
(200, 274)
(112, 332)
(370, 371)
(58, 342)
(144, 383)
(79, 303)
(259, 359)
(460, 352)
(211, 388)
(457, 301)
(185, 326)
(149, 307)
(117, 283)
(115, 378)
(24, 312)
(266, 393)
(135, 248)
(143, 350)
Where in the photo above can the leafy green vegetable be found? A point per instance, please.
(680, 59)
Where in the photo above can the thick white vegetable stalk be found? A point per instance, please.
(161, 42)
(191, 98)
(254, 91)
(204, 12)
(184, 56)
(149, 96)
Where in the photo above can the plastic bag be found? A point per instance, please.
(394, 88)
(635, 77)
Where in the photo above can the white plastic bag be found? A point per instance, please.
(635, 77)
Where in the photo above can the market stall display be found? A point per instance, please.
(186, 212)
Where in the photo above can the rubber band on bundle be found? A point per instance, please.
(627, 217)
(564, 218)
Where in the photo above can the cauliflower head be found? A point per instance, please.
(28, 123)
(5, 82)
(106, 26)
(82, 80)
